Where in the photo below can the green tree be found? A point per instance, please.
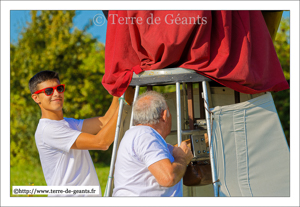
(47, 43)
(282, 98)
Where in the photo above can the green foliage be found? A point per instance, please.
(48, 44)
(282, 98)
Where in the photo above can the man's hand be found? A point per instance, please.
(187, 141)
(183, 153)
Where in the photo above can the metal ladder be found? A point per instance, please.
(170, 76)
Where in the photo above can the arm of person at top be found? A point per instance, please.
(169, 174)
(95, 124)
(98, 133)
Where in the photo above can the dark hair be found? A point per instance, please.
(41, 77)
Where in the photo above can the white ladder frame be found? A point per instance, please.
(179, 135)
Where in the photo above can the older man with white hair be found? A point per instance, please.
(146, 165)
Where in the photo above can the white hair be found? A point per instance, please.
(149, 110)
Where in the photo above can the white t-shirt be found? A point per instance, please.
(140, 147)
(61, 165)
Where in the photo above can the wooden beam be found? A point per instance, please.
(237, 98)
(149, 88)
(201, 102)
(272, 19)
(190, 105)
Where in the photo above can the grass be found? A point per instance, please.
(33, 174)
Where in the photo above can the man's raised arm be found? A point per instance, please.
(169, 174)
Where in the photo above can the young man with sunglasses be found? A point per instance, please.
(63, 143)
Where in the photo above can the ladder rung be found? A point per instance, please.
(186, 132)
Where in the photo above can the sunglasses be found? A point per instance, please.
(50, 90)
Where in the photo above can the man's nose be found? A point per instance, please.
(55, 92)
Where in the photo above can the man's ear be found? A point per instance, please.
(165, 115)
(35, 98)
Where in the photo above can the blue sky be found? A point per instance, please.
(18, 19)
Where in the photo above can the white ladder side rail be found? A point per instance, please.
(211, 151)
(113, 158)
(136, 93)
(179, 131)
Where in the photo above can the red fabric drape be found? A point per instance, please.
(233, 48)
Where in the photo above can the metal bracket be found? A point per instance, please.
(200, 151)
(201, 123)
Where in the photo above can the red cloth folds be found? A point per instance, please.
(233, 48)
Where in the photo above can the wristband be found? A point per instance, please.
(123, 100)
